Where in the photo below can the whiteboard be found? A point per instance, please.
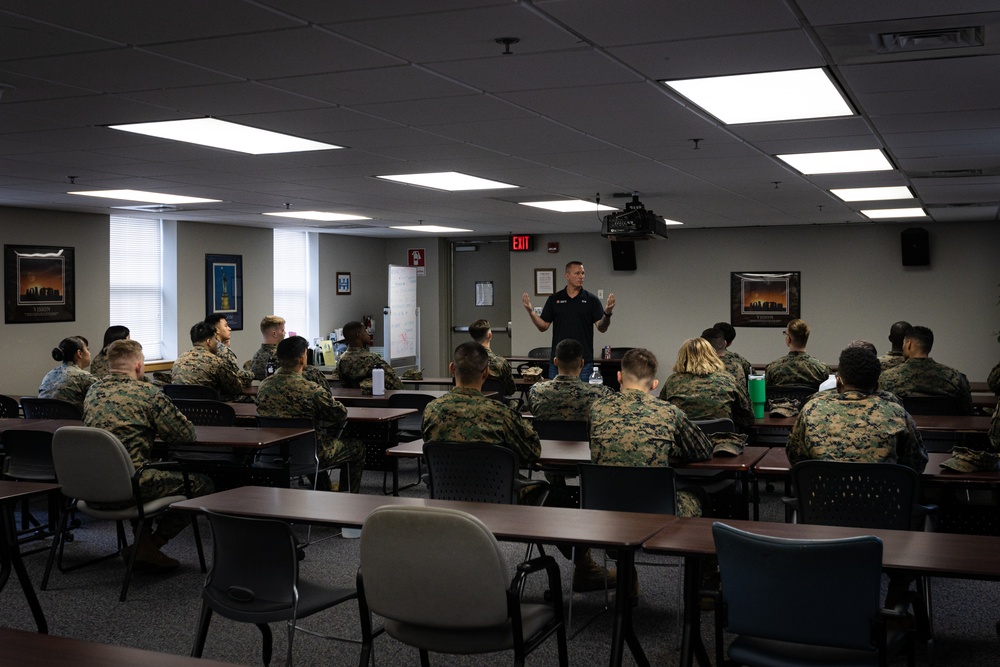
(402, 317)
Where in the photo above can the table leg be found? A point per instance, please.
(11, 557)
(691, 643)
(623, 631)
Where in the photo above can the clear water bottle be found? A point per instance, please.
(378, 382)
(595, 377)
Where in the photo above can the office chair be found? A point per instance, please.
(28, 457)
(931, 405)
(806, 602)
(195, 391)
(438, 578)
(9, 407)
(302, 452)
(558, 429)
(205, 412)
(49, 408)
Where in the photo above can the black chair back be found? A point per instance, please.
(861, 495)
(710, 426)
(304, 459)
(9, 407)
(541, 353)
(28, 455)
(559, 429)
(49, 408)
(471, 471)
(796, 392)
(494, 384)
(409, 427)
(206, 413)
(932, 405)
(628, 488)
(195, 391)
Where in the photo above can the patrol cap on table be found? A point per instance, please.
(728, 444)
(964, 459)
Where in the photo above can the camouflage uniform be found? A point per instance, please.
(853, 426)
(735, 368)
(500, 370)
(565, 398)
(465, 415)
(67, 382)
(246, 377)
(201, 366)
(832, 394)
(712, 396)
(268, 352)
(289, 394)
(731, 357)
(796, 368)
(928, 377)
(891, 360)
(994, 380)
(136, 412)
(357, 364)
(99, 365)
(635, 429)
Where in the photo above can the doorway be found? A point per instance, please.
(480, 289)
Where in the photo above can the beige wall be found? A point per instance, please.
(853, 286)
(26, 348)
(365, 260)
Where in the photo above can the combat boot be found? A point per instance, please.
(149, 558)
(589, 576)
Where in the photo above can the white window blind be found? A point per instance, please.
(291, 279)
(137, 281)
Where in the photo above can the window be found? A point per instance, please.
(137, 281)
(292, 279)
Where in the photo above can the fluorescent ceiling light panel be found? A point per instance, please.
(668, 221)
(221, 134)
(838, 162)
(883, 213)
(766, 96)
(430, 229)
(874, 194)
(451, 181)
(147, 197)
(568, 205)
(322, 216)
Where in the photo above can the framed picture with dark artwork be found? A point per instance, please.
(39, 284)
(224, 288)
(764, 299)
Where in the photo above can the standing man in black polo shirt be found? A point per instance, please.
(574, 311)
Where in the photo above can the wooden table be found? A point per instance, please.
(356, 414)
(980, 388)
(41, 650)
(354, 397)
(624, 531)
(554, 452)
(934, 554)
(440, 381)
(10, 553)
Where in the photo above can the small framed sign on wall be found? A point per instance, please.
(343, 282)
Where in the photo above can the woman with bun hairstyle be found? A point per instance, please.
(69, 381)
(99, 366)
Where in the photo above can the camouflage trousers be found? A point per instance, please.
(155, 484)
(688, 504)
(350, 451)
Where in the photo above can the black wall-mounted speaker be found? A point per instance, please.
(916, 247)
(623, 255)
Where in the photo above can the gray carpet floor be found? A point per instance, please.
(161, 611)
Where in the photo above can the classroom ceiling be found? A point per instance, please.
(409, 86)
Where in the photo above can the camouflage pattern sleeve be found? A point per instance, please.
(99, 365)
(258, 365)
(796, 368)
(501, 370)
(910, 450)
(926, 376)
(392, 380)
(357, 364)
(66, 382)
(565, 398)
(995, 431)
(994, 380)
(316, 376)
(712, 396)
(797, 449)
(226, 354)
(171, 425)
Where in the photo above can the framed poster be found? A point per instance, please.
(39, 284)
(545, 282)
(764, 299)
(343, 283)
(224, 288)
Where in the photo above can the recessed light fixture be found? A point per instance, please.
(874, 194)
(221, 134)
(883, 213)
(568, 205)
(147, 197)
(323, 216)
(430, 229)
(766, 96)
(838, 162)
(451, 181)
(668, 221)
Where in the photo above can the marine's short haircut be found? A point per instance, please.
(798, 331)
(571, 264)
(728, 330)
(470, 359)
(864, 345)
(922, 337)
(639, 364)
(697, 356)
(214, 319)
(479, 329)
(351, 331)
(113, 333)
(897, 332)
(715, 338)
(270, 322)
(123, 353)
(202, 331)
(68, 347)
(859, 368)
(569, 351)
(290, 350)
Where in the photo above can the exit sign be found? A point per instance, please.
(522, 242)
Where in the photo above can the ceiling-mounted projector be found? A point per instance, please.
(635, 223)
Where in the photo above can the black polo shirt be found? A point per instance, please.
(573, 318)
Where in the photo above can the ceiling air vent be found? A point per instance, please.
(928, 40)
